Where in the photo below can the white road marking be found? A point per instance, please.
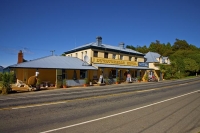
(58, 94)
(109, 116)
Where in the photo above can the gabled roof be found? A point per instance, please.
(103, 47)
(151, 57)
(55, 62)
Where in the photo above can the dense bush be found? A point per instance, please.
(7, 80)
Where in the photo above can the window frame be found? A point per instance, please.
(121, 57)
(106, 55)
(95, 53)
(136, 59)
(114, 56)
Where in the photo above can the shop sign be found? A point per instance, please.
(114, 61)
(143, 64)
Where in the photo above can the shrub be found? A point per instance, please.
(117, 79)
(86, 80)
(7, 80)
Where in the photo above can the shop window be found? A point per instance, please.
(95, 53)
(114, 56)
(105, 55)
(113, 73)
(121, 57)
(130, 58)
(82, 74)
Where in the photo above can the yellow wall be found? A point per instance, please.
(47, 75)
(79, 53)
(44, 74)
(151, 65)
(90, 54)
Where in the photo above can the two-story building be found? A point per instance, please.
(110, 61)
(154, 60)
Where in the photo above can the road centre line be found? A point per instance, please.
(117, 114)
(78, 99)
(68, 93)
(65, 101)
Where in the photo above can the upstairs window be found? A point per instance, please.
(82, 55)
(95, 53)
(130, 58)
(114, 56)
(121, 57)
(105, 55)
(136, 58)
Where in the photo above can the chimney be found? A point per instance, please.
(20, 57)
(121, 45)
(99, 40)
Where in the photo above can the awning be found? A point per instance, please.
(119, 66)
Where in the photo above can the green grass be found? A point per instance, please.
(189, 77)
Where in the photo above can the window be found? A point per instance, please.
(76, 54)
(121, 57)
(113, 73)
(85, 52)
(82, 55)
(95, 53)
(114, 56)
(163, 60)
(82, 74)
(130, 58)
(135, 58)
(105, 55)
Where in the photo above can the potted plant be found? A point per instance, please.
(85, 82)
(139, 79)
(117, 80)
(64, 83)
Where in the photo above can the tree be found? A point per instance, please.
(157, 47)
(191, 65)
(143, 49)
(7, 80)
(180, 44)
(162, 70)
(130, 47)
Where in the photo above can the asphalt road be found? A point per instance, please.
(161, 107)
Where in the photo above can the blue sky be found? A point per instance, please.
(39, 26)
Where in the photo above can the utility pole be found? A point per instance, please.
(52, 51)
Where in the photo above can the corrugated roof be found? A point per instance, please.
(118, 66)
(55, 62)
(151, 57)
(94, 44)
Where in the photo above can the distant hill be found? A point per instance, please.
(1, 69)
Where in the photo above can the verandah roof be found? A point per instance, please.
(55, 62)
